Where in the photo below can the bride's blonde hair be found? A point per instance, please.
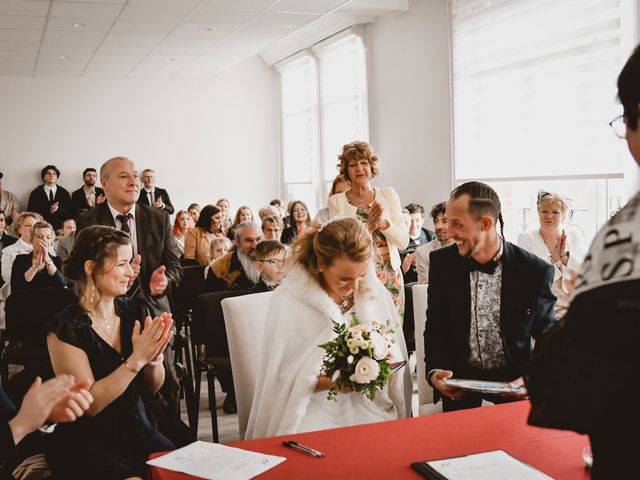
(344, 239)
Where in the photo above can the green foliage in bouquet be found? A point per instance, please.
(356, 358)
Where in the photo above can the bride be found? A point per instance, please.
(331, 278)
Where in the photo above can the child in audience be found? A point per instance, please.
(219, 246)
(270, 258)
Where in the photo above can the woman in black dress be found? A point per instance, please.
(113, 341)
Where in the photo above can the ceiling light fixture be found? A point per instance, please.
(65, 57)
(205, 29)
(78, 25)
(170, 60)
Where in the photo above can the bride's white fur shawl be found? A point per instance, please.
(298, 321)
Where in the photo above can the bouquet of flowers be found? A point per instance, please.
(358, 357)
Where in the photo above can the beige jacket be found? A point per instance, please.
(197, 245)
(397, 235)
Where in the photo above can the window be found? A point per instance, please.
(299, 118)
(343, 100)
(534, 86)
(323, 106)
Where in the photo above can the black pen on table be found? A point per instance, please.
(302, 448)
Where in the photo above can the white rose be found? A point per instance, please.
(378, 345)
(367, 369)
(350, 359)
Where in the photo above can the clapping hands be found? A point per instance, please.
(58, 400)
(149, 343)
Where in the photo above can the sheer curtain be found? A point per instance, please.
(534, 87)
(323, 99)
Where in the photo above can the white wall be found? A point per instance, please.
(409, 102)
(205, 138)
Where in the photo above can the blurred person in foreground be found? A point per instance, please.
(586, 377)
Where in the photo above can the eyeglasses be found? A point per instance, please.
(619, 127)
(274, 262)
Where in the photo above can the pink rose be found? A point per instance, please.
(367, 370)
(359, 328)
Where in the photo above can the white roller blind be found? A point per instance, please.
(299, 118)
(534, 85)
(343, 97)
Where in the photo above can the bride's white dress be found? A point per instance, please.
(299, 320)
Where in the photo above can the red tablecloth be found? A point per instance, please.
(385, 450)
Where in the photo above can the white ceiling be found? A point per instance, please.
(157, 38)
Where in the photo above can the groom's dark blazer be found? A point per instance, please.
(526, 309)
(155, 242)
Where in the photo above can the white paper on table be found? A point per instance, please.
(213, 461)
(494, 465)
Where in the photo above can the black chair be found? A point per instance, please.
(408, 324)
(27, 314)
(190, 262)
(208, 331)
(181, 305)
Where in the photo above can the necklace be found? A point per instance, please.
(346, 303)
(551, 243)
(106, 327)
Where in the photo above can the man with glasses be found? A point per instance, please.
(586, 378)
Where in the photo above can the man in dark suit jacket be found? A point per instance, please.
(156, 254)
(487, 299)
(87, 196)
(155, 263)
(153, 196)
(49, 199)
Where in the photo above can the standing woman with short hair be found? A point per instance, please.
(117, 343)
(379, 209)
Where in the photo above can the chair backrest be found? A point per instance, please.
(190, 287)
(207, 322)
(245, 318)
(425, 392)
(29, 311)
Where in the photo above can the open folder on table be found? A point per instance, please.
(213, 461)
(493, 465)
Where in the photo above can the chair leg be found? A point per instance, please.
(198, 388)
(212, 402)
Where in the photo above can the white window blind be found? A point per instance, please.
(300, 128)
(534, 85)
(343, 97)
(323, 95)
